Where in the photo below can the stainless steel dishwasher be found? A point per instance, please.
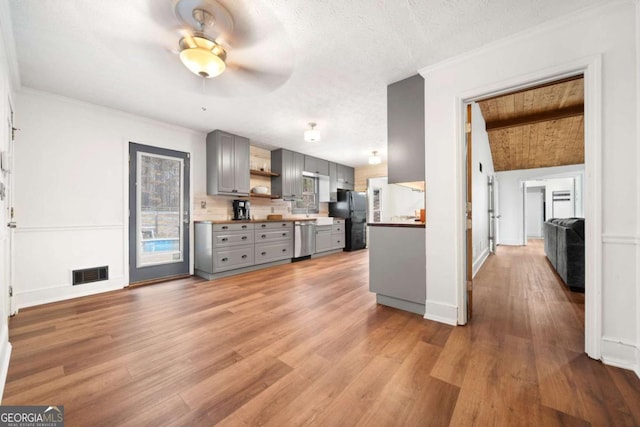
(304, 239)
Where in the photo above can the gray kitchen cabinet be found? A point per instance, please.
(222, 247)
(232, 248)
(338, 240)
(228, 159)
(316, 165)
(289, 165)
(345, 177)
(323, 238)
(274, 241)
(394, 275)
(405, 130)
(333, 182)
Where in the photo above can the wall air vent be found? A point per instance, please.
(88, 275)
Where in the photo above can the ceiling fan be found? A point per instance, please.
(213, 40)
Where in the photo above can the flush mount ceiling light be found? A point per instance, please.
(374, 159)
(199, 53)
(312, 135)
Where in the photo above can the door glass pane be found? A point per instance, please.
(160, 211)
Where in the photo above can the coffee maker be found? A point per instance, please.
(241, 210)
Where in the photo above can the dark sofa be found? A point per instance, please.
(564, 247)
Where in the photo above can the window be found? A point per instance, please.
(309, 202)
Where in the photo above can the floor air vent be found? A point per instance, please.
(89, 275)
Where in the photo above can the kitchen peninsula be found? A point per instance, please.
(397, 270)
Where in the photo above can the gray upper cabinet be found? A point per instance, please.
(316, 165)
(227, 164)
(346, 177)
(333, 182)
(405, 130)
(290, 166)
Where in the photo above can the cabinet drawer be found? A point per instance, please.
(233, 227)
(270, 235)
(323, 228)
(229, 259)
(268, 252)
(338, 221)
(337, 229)
(273, 225)
(337, 242)
(233, 238)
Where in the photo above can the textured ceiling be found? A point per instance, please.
(323, 61)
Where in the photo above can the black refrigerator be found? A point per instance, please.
(352, 206)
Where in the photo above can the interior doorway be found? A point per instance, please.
(534, 201)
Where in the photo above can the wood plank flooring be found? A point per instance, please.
(305, 344)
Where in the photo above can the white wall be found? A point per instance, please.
(511, 203)
(601, 37)
(7, 96)
(397, 200)
(480, 153)
(72, 195)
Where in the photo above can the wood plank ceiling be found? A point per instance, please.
(537, 127)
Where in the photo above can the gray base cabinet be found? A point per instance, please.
(338, 240)
(330, 237)
(323, 238)
(397, 272)
(225, 249)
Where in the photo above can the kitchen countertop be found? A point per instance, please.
(251, 221)
(412, 224)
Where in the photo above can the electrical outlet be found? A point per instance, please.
(203, 204)
(273, 209)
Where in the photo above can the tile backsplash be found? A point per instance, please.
(220, 208)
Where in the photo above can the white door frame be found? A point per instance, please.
(591, 68)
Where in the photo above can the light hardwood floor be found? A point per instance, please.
(305, 344)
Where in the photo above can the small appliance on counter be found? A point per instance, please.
(241, 210)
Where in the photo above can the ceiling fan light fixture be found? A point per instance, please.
(202, 56)
(312, 135)
(374, 159)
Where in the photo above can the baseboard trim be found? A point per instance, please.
(621, 354)
(477, 265)
(67, 291)
(440, 312)
(5, 356)
(400, 304)
(510, 242)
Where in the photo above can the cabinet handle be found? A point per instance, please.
(244, 256)
(264, 253)
(263, 236)
(244, 237)
(244, 226)
(225, 259)
(224, 227)
(284, 234)
(284, 224)
(224, 239)
(284, 250)
(263, 225)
